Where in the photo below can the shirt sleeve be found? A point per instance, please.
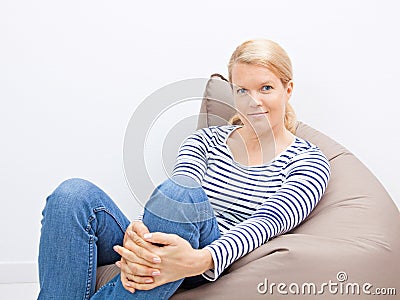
(192, 157)
(306, 178)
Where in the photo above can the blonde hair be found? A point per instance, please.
(268, 54)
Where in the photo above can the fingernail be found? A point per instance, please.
(130, 233)
(156, 260)
(147, 235)
(115, 248)
(118, 263)
(128, 284)
(156, 273)
(148, 281)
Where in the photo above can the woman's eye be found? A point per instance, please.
(266, 88)
(241, 91)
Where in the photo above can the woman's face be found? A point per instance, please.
(260, 96)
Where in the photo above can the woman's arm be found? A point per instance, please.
(192, 157)
(306, 179)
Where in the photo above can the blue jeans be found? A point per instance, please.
(81, 224)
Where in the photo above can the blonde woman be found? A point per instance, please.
(233, 188)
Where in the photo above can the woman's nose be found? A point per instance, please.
(255, 99)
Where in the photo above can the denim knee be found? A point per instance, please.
(180, 199)
(72, 194)
(181, 189)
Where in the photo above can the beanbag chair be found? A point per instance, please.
(351, 239)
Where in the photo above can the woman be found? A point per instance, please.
(233, 188)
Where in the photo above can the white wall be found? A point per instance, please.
(72, 73)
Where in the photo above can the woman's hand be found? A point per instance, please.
(177, 260)
(142, 264)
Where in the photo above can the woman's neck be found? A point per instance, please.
(276, 138)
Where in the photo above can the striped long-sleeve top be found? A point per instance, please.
(252, 204)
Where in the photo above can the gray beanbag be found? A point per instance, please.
(353, 233)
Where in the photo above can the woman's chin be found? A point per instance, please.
(259, 125)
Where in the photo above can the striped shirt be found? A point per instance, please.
(252, 204)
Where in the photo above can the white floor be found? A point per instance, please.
(19, 291)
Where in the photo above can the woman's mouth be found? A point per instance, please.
(257, 114)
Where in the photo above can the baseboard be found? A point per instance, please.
(18, 272)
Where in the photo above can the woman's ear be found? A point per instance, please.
(289, 89)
